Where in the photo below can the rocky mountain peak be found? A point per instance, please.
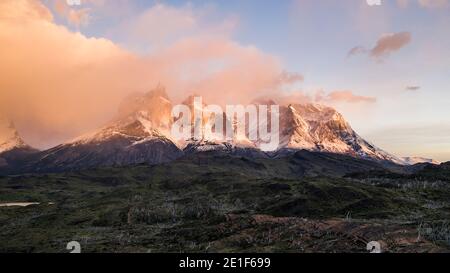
(313, 127)
(9, 137)
(153, 106)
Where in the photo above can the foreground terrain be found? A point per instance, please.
(306, 202)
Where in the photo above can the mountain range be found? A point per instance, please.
(140, 133)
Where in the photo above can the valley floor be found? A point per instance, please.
(226, 205)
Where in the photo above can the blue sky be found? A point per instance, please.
(400, 44)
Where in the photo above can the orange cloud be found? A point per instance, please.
(24, 11)
(343, 96)
(290, 78)
(57, 84)
(386, 44)
(218, 69)
(162, 25)
(159, 24)
(356, 50)
(331, 98)
(77, 17)
(389, 43)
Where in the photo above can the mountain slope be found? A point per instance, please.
(320, 128)
(296, 165)
(13, 150)
(139, 134)
(309, 127)
(209, 140)
(9, 137)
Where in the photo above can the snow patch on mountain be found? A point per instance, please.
(141, 118)
(321, 128)
(148, 117)
(209, 139)
(9, 137)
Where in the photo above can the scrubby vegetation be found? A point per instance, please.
(224, 204)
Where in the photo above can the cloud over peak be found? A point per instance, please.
(85, 79)
(162, 25)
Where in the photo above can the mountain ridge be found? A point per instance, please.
(9, 137)
(141, 133)
(13, 149)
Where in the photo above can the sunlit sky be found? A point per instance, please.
(386, 68)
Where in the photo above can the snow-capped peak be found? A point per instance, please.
(140, 117)
(312, 127)
(321, 128)
(9, 137)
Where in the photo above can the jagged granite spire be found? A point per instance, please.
(9, 137)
